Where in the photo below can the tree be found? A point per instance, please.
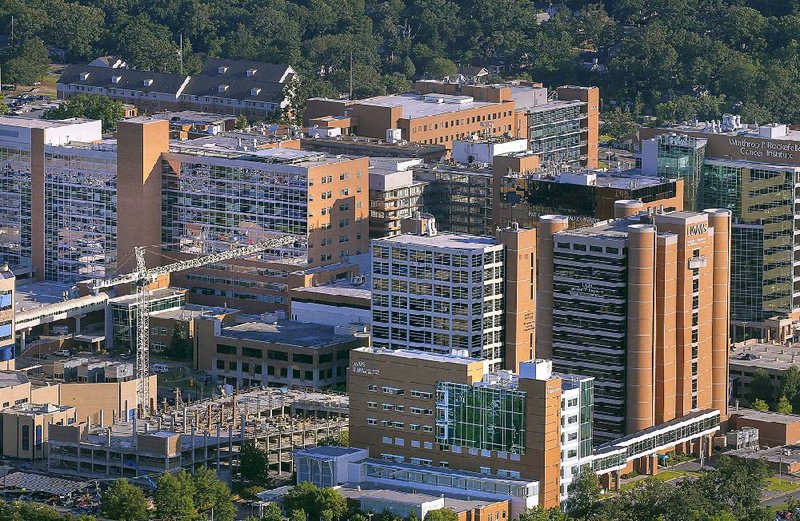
(542, 514)
(3, 106)
(272, 512)
(241, 122)
(253, 463)
(761, 386)
(388, 515)
(584, 495)
(298, 515)
(314, 500)
(124, 501)
(735, 485)
(174, 497)
(25, 63)
(789, 386)
(618, 124)
(210, 492)
(180, 347)
(760, 405)
(783, 406)
(340, 440)
(441, 514)
(92, 106)
(439, 68)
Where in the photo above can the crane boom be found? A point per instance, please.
(144, 275)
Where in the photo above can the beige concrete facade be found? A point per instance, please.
(393, 400)
(673, 313)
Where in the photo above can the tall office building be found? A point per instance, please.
(447, 410)
(63, 239)
(441, 291)
(753, 172)
(76, 206)
(641, 303)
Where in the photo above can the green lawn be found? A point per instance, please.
(775, 484)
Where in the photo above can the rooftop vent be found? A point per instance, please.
(84, 76)
(222, 69)
(251, 72)
(147, 82)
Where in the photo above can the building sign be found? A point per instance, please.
(586, 289)
(360, 368)
(696, 229)
(764, 148)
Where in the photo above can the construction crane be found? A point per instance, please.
(144, 276)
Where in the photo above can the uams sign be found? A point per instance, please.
(696, 229)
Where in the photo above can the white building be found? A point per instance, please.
(436, 292)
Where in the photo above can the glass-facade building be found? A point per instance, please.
(481, 417)
(80, 213)
(15, 206)
(437, 293)
(557, 132)
(681, 157)
(762, 200)
(124, 311)
(459, 197)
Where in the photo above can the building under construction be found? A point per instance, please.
(206, 433)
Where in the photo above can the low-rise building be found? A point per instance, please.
(429, 409)
(24, 428)
(748, 357)
(253, 89)
(275, 353)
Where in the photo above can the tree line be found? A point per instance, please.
(678, 59)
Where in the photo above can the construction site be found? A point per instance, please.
(206, 433)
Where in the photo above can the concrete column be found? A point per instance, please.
(639, 408)
(617, 478)
(720, 220)
(548, 226)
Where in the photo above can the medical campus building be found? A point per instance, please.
(754, 172)
(75, 206)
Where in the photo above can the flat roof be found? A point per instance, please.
(361, 492)
(766, 416)
(290, 332)
(190, 311)
(362, 291)
(12, 378)
(621, 180)
(766, 356)
(411, 354)
(750, 131)
(154, 294)
(783, 455)
(455, 241)
(415, 106)
(331, 451)
(32, 295)
(31, 122)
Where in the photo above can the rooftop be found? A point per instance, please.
(766, 416)
(621, 180)
(329, 451)
(190, 311)
(160, 293)
(361, 492)
(453, 241)
(12, 378)
(747, 131)
(341, 288)
(410, 354)
(31, 295)
(416, 106)
(27, 122)
(289, 332)
(223, 146)
(33, 409)
(783, 455)
(766, 356)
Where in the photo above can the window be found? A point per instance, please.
(26, 437)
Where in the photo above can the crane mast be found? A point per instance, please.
(143, 276)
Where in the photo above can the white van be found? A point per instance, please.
(160, 368)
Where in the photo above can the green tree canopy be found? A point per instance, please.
(314, 500)
(253, 463)
(91, 106)
(441, 514)
(25, 63)
(124, 501)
